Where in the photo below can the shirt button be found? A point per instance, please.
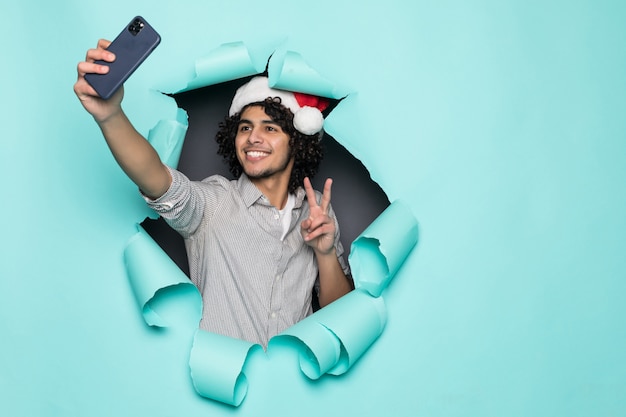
(277, 277)
(273, 314)
(276, 216)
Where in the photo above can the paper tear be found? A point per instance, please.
(168, 136)
(150, 271)
(223, 379)
(379, 252)
(288, 70)
(337, 335)
(319, 349)
(228, 62)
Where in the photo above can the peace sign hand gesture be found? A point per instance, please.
(318, 231)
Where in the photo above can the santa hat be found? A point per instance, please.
(306, 109)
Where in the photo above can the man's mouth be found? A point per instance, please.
(256, 154)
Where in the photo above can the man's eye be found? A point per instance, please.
(271, 129)
(244, 128)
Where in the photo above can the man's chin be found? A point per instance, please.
(256, 174)
(267, 172)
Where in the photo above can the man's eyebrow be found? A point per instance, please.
(264, 121)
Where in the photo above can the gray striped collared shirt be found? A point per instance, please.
(253, 284)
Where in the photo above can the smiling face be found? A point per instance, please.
(307, 150)
(262, 146)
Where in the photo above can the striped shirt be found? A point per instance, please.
(254, 283)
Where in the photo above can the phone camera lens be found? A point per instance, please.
(136, 27)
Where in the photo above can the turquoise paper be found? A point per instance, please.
(336, 336)
(228, 62)
(150, 272)
(168, 136)
(289, 71)
(378, 252)
(222, 380)
(500, 124)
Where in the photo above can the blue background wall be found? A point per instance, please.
(501, 123)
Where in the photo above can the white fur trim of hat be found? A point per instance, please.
(306, 109)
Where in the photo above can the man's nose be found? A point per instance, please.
(255, 136)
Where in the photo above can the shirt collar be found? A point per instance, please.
(300, 195)
(250, 194)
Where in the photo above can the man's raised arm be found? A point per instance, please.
(132, 151)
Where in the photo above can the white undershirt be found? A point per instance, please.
(285, 214)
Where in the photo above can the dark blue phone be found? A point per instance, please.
(131, 47)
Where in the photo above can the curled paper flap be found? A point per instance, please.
(336, 336)
(153, 274)
(167, 138)
(346, 122)
(217, 367)
(289, 71)
(378, 252)
(319, 349)
(228, 62)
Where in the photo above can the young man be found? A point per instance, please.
(257, 245)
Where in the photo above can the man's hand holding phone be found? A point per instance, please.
(99, 108)
(107, 67)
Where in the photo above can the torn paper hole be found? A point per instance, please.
(331, 340)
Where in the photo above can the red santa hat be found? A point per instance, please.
(306, 109)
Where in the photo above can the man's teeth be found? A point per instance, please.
(256, 154)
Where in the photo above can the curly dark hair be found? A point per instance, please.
(306, 149)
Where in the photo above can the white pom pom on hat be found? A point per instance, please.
(307, 109)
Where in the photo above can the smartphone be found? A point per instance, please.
(131, 47)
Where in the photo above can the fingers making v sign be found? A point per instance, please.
(319, 229)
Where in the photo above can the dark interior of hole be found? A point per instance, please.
(356, 198)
